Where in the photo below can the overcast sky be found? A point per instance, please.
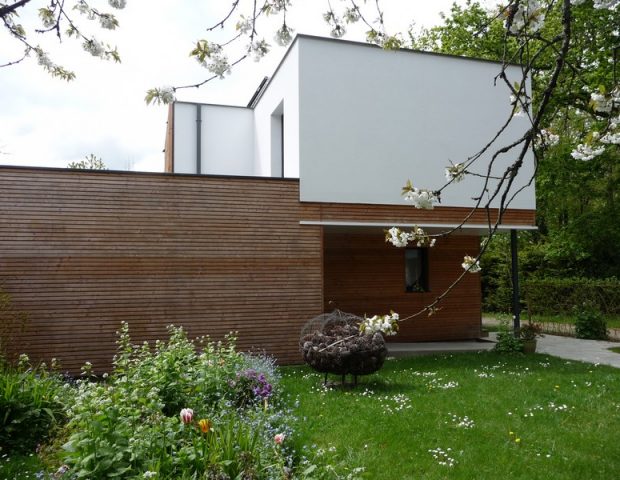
(49, 122)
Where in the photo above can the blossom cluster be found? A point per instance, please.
(529, 16)
(547, 138)
(455, 173)
(471, 264)
(420, 197)
(261, 388)
(400, 238)
(386, 324)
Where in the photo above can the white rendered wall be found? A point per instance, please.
(227, 142)
(283, 88)
(370, 119)
(184, 138)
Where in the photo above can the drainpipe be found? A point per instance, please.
(198, 138)
(516, 305)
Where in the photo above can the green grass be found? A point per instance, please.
(615, 349)
(613, 321)
(19, 467)
(392, 419)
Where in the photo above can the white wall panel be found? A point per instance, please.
(283, 88)
(227, 143)
(184, 138)
(370, 119)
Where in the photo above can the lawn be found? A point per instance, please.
(613, 321)
(468, 416)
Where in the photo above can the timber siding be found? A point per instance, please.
(365, 275)
(82, 251)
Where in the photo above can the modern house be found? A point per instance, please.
(272, 213)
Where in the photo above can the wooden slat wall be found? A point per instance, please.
(408, 214)
(169, 145)
(82, 251)
(364, 275)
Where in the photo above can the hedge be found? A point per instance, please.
(549, 296)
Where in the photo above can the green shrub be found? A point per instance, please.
(552, 296)
(32, 406)
(507, 342)
(590, 323)
(129, 424)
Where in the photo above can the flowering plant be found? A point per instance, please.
(530, 331)
(386, 324)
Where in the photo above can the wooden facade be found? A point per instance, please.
(80, 252)
(364, 275)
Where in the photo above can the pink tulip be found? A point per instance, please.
(279, 438)
(187, 414)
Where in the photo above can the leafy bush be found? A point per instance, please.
(507, 342)
(564, 295)
(11, 322)
(32, 405)
(590, 323)
(129, 425)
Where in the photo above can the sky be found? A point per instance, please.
(49, 122)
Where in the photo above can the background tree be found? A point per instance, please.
(90, 162)
(577, 193)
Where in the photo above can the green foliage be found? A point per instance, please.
(129, 423)
(11, 322)
(32, 405)
(90, 162)
(507, 341)
(564, 295)
(590, 323)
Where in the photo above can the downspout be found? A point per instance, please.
(198, 139)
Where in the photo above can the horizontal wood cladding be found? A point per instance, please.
(364, 275)
(409, 214)
(80, 252)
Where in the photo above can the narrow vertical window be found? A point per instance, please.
(416, 270)
(282, 142)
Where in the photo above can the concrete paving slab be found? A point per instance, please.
(430, 348)
(593, 351)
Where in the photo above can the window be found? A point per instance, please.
(416, 270)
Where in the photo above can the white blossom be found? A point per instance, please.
(577, 2)
(166, 94)
(284, 35)
(244, 25)
(421, 198)
(585, 152)
(400, 238)
(601, 103)
(455, 173)
(600, 4)
(43, 59)
(529, 16)
(611, 138)
(108, 21)
(94, 47)
(338, 30)
(547, 138)
(351, 15)
(386, 324)
(471, 264)
(259, 49)
(118, 4)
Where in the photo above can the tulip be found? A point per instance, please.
(279, 438)
(205, 425)
(187, 414)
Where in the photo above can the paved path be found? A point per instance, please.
(593, 351)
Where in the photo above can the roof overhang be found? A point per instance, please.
(467, 229)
